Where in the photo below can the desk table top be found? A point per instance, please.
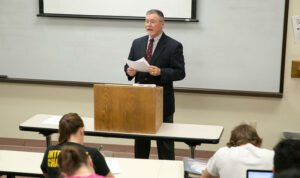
(45, 123)
(22, 163)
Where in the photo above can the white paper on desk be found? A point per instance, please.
(140, 65)
(195, 166)
(54, 120)
(296, 25)
(114, 166)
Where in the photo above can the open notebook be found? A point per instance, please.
(251, 173)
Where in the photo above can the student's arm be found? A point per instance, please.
(109, 175)
(205, 174)
(44, 164)
(100, 165)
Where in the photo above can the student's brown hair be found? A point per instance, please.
(243, 134)
(71, 158)
(69, 124)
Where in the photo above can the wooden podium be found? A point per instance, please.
(127, 108)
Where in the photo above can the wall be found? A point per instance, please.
(273, 115)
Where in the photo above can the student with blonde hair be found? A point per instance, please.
(242, 152)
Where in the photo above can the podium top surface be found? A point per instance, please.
(48, 124)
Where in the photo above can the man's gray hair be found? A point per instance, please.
(158, 12)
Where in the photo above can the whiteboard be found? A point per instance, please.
(236, 46)
(133, 8)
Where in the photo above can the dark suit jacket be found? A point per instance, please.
(168, 56)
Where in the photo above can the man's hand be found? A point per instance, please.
(131, 71)
(154, 71)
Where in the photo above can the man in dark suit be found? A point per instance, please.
(165, 56)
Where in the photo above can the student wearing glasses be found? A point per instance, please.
(166, 60)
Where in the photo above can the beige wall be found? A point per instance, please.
(273, 115)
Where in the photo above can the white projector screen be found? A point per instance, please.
(173, 9)
(237, 47)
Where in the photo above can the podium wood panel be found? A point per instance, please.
(127, 108)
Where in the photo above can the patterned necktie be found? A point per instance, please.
(149, 50)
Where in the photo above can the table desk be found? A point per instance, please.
(21, 163)
(190, 134)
